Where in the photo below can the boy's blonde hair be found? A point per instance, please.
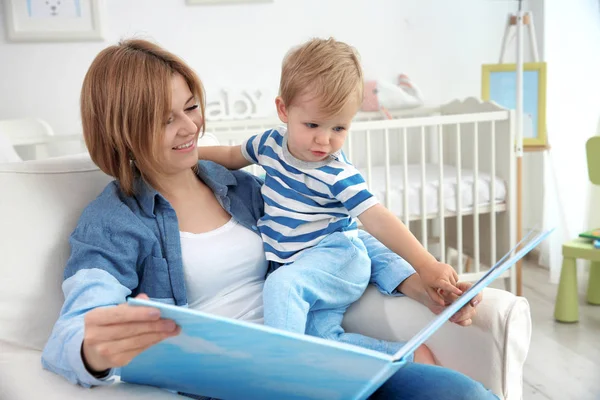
(125, 102)
(327, 68)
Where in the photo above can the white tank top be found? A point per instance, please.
(225, 271)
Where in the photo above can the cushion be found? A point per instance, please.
(40, 205)
(7, 151)
(22, 378)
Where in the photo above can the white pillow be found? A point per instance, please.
(40, 205)
(7, 151)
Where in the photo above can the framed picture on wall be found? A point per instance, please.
(53, 20)
(498, 84)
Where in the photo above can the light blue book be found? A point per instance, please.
(230, 359)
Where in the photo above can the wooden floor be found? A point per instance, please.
(564, 359)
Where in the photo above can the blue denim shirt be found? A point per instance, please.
(126, 245)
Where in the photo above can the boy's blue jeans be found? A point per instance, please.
(311, 294)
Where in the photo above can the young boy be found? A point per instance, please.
(313, 196)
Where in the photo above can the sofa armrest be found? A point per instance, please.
(491, 351)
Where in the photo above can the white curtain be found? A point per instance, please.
(554, 217)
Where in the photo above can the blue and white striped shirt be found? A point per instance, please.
(304, 201)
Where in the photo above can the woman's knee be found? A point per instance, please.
(429, 382)
(461, 387)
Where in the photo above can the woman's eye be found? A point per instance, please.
(310, 125)
(169, 121)
(192, 108)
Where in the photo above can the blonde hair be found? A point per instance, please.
(327, 68)
(125, 102)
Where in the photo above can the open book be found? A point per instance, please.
(229, 359)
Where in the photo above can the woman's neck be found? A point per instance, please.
(177, 185)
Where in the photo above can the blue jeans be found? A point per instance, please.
(311, 294)
(427, 382)
(430, 382)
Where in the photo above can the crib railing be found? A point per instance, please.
(445, 133)
(475, 138)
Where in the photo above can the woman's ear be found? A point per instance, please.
(281, 109)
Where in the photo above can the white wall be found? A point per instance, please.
(572, 48)
(439, 44)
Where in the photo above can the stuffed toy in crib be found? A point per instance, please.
(381, 96)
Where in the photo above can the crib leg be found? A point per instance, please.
(451, 257)
(507, 284)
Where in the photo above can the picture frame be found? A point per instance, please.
(53, 20)
(217, 2)
(498, 84)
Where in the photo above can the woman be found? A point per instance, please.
(179, 231)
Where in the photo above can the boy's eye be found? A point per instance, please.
(310, 125)
(339, 129)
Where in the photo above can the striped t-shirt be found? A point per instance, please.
(304, 201)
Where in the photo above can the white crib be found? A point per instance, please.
(467, 145)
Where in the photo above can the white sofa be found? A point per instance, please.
(40, 202)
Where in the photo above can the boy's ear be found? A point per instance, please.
(281, 109)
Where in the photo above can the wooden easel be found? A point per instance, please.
(512, 23)
(517, 21)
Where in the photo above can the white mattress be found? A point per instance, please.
(432, 186)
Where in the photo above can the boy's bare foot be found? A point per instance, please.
(424, 356)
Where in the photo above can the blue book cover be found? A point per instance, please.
(230, 359)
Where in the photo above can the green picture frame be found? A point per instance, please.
(498, 84)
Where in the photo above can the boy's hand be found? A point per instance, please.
(438, 276)
(464, 317)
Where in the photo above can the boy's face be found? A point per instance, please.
(313, 136)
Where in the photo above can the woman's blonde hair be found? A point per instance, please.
(125, 103)
(327, 68)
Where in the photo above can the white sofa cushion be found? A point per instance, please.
(34, 240)
(22, 378)
(7, 151)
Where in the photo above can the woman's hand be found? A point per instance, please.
(115, 335)
(413, 288)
